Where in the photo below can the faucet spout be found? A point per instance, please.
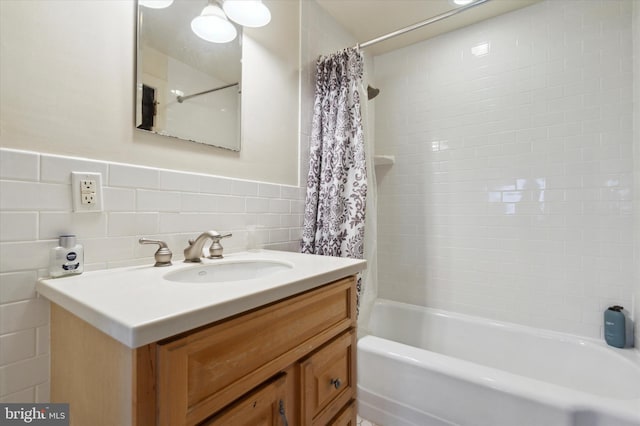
(194, 252)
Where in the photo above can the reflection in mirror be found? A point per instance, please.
(187, 87)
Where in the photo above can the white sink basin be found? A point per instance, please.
(228, 271)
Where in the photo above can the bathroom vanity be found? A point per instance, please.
(273, 348)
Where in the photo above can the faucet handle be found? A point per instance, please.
(215, 250)
(162, 255)
(221, 236)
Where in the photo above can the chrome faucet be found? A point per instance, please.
(194, 252)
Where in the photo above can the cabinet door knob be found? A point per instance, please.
(336, 383)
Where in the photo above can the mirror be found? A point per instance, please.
(186, 87)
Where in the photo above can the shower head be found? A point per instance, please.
(372, 92)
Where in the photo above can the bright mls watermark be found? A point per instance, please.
(34, 414)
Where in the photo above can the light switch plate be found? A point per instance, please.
(86, 191)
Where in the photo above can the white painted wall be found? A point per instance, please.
(511, 196)
(67, 83)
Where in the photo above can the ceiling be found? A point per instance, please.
(368, 19)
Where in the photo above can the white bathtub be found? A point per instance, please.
(424, 367)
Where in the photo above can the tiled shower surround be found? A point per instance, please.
(511, 195)
(35, 203)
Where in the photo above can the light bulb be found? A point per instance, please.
(248, 13)
(155, 4)
(462, 2)
(212, 25)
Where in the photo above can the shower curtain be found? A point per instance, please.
(334, 216)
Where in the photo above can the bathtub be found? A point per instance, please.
(424, 367)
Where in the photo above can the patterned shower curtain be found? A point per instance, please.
(334, 213)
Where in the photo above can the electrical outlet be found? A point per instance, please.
(88, 198)
(87, 185)
(86, 191)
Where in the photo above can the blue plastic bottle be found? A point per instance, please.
(614, 327)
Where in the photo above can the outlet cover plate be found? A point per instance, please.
(78, 192)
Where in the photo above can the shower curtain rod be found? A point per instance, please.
(181, 99)
(421, 24)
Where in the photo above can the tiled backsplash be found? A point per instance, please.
(35, 207)
(511, 196)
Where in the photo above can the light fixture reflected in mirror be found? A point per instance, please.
(212, 25)
(156, 4)
(248, 13)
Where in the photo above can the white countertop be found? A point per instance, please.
(137, 306)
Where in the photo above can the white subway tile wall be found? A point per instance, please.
(35, 207)
(511, 195)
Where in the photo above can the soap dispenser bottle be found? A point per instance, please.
(615, 327)
(67, 258)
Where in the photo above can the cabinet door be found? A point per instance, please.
(261, 407)
(347, 417)
(328, 380)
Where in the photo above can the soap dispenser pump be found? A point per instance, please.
(67, 258)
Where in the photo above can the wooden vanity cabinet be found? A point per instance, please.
(294, 358)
